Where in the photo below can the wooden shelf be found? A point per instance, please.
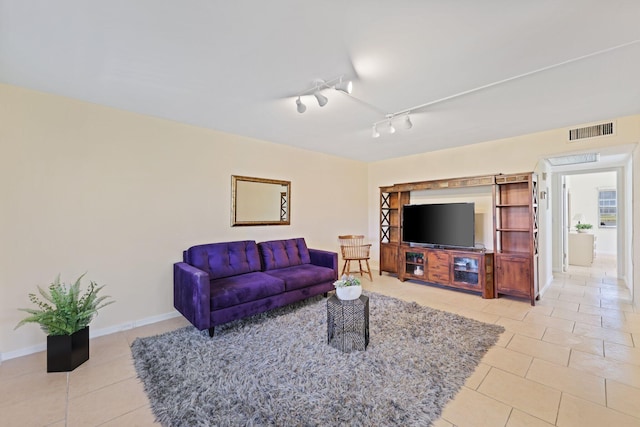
(515, 235)
(391, 202)
(465, 270)
(471, 181)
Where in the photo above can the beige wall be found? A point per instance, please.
(120, 195)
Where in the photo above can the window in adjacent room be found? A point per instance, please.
(607, 208)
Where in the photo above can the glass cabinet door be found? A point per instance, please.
(414, 264)
(465, 270)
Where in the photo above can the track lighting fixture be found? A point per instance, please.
(406, 123)
(391, 128)
(301, 107)
(402, 118)
(319, 85)
(322, 100)
(388, 123)
(345, 86)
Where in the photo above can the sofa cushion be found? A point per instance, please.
(301, 276)
(234, 290)
(283, 253)
(225, 259)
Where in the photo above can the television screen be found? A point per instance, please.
(445, 224)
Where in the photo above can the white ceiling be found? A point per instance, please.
(236, 66)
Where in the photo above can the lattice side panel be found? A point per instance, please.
(385, 217)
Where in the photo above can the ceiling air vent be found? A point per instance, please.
(594, 131)
(574, 159)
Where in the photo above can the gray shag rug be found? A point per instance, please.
(277, 369)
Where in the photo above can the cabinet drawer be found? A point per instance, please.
(438, 267)
(437, 277)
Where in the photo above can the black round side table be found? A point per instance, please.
(348, 323)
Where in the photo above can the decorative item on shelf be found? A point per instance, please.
(64, 315)
(348, 288)
(583, 228)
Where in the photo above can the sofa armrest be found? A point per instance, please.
(324, 259)
(192, 294)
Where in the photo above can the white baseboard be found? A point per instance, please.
(545, 286)
(93, 333)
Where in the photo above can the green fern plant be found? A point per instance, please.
(63, 310)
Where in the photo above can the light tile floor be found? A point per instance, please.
(569, 361)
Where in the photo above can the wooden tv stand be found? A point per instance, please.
(471, 270)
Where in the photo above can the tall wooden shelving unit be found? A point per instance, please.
(515, 219)
(391, 203)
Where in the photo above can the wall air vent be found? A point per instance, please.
(574, 159)
(594, 131)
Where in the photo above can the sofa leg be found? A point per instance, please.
(326, 294)
(211, 331)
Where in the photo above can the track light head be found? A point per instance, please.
(346, 86)
(301, 107)
(374, 132)
(391, 128)
(322, 100)
(406, 123)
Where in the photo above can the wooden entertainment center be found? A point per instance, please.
(510, 269)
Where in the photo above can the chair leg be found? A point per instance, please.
(344, 267)
(369, 270)
(348, 272)
(360, 265)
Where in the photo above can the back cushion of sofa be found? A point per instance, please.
(225, 259)
(284, 253)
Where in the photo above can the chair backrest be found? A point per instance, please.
(352, 246)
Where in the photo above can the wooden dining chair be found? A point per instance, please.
(353, 248)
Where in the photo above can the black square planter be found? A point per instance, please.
(67, 352)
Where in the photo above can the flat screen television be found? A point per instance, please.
(439, 224)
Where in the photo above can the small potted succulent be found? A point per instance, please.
(348, 288)
(583, 228)
(64, 315)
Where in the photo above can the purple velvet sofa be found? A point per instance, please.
(220, 282)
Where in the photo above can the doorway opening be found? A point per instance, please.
(581, 195)
(591, 230)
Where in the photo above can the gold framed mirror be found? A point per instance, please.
(260, 201)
